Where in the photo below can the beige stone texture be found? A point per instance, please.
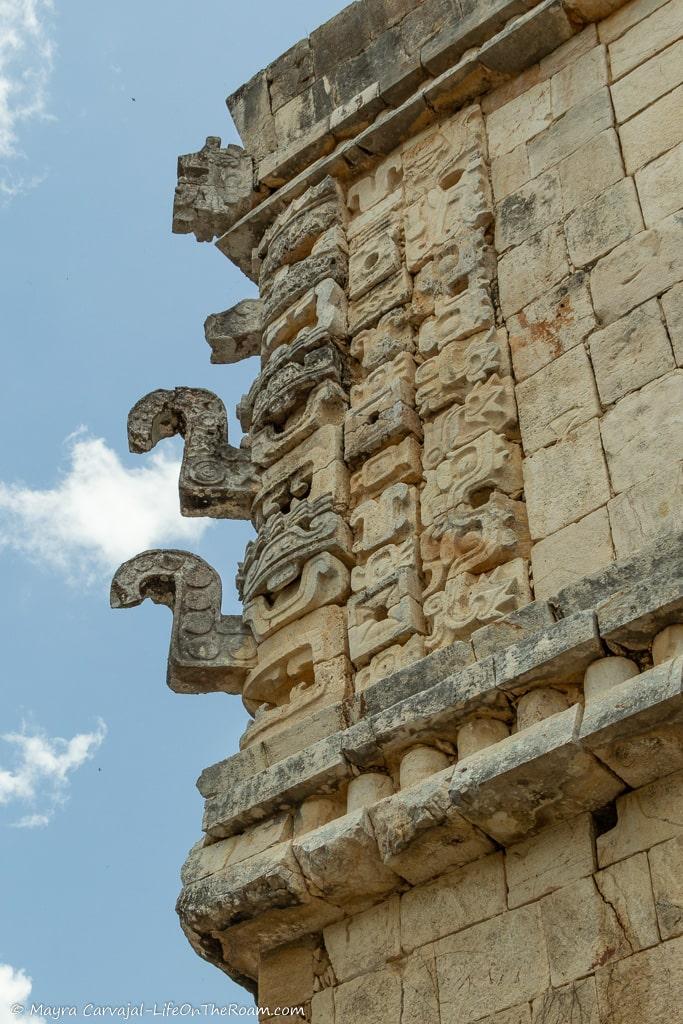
(372, 998)
(515, 1015)
(366, 789)
(399, 463)
(625, 17)
(644, 431)
(392, 335)
(575, 551)
(527, 211)
(492, 966)
(565, 482)
(420, 989)
(672, 304)
(569, 52)
(371, 189)
(630, 353)
(576, 1003)
(626, 887)
(450, 375)
(582, 931)
(316, 811)
(652, 132)
(578, 80)
(537, 705)
(549, 861)
(419, 763)
(389, 661)
(603, 223)
(590, 170)
(644, 40)
(646, 265)
(666, 870)
(551, 325)
(519, 120)
(647, 510)
(394, 291)
(509, 172)
(606, 673)
(532, 268)
(647, 988)
(480, 733)
(647, 816)
(668, 644)
(660, 185)
(322, 1007)
(489, 406)
(648, 82)
(285, 975)
(388, 519)
(556, 399)
(571, 131)
(452, 902)
(366, 941)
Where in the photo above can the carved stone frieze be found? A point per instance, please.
(216, 479)
(235, 334)
(388, 519)
(488, 406)
(399, 463)
(215, 189)
(450, 375)
(209, 651)
(325, 405)
(378, 345)
(319, 314)
(382, 409)
(386, 613)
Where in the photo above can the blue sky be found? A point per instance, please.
(100, 304)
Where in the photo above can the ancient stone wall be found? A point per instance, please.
(460, 795)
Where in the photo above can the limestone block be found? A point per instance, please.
(578, 80)
(624, 18)
(371, 189)
(531, 269)
(420, 988)
(650, 509)
(551, 325)
(452, 902)
(328, 260)
(459, 316)
(469, 985)
(324, 580)
(366, 941)
(379, 345)
(666, 869)
(325, 404)
(469, 602)
(489, 463)
(557, 399)
(514, 627)
(235, 334)
(419, 762)
(647, 987)
(519, 120)
(341, 864)
(668, 644)
(571, 131)
(320, 313)
(552, 860)
(515, 1015)
(630, 353)
(537, 705)
(590, 170)
(316, 811)
(473, 540)
(380, 257)
(285, 975)
(627, 888)
(366, 789)
(387, 613)
(660, 185)
(647, 816)
(647, 82)
(215, 188)
(603, 223)
(437, 154)
(388, 519)
(672, 304)
(560, 653)
(391, 660)
(645, 39)
(509, 172)
(232, 770)
(488, 406)
(382, 412)
(576, 1003)
(420, 834)
(372, 998)
(450, 375)
(383, 565)
(532, 780)
(394, 291)
(294, 232)
(311, 470)
(638, 269)
(536, 205)
(652, 132)
(564, 483)
(322, 1007)
(479, 733)
(644, 431)
(575, 551)
(399, 463)
(605, 673)
(632, 615)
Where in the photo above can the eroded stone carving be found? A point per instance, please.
(488, 406)
(236, 333)
(215, 189)
(216, 479)
(210, 652)
(450, 375)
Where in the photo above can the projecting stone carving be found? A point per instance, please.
(235, 334)
(215, 189)
(216, 479)
(209, 652)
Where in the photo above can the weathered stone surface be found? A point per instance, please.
(647, 987)
(647, 82)
(235, 334)
(469, 602)
(646, 817)
(286, 975)
(645, 39)
(630, 353)
(576, 1003)
(601, 224)
(215, 188)
(412, 679)
(514, 627)
(569, 132)
(647, 510)
(575, 551)
(531, 269)
(372, 997)
(590, 170)
(666, 869)
(366, 941)
(557, 399)
(551, 860)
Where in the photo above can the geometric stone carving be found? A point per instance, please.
(449, 376)
(384, 614)
(214, 190)
(387, 519)
(323, 580)
(236, 333)
(488, 406)
(457, 317)
(320, 313)
(325, 405)
(468, 475)
(389, 661)
(383, 564)
(382, 409)
(216, 479)
(209, 652)
(379, 345)
(468, 602)
(399, 463)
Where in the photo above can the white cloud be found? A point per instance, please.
(100, 512)
(40, 774)
(26, 61)
(15, 988)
